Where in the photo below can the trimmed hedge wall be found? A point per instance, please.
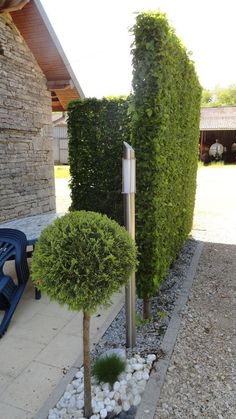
(97, 129)
(165, 133)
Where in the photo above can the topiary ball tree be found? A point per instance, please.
(81, 260)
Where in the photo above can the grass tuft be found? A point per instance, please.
(108, 368)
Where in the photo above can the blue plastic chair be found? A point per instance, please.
(13, 244)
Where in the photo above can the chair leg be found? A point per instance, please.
(37, 293)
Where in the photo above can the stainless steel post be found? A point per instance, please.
(129, 189)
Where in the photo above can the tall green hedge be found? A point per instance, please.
(165, 132)
(97, 129)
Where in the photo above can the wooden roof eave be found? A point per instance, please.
(59, 48)
(47, 50)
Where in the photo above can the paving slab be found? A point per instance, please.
(10, 412)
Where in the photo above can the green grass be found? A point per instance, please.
(213, 165)
(62, 172)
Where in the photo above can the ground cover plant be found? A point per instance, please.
(81, 260)
(107, 369)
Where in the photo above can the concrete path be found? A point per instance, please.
(201, 377)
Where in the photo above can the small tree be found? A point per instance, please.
(81, 260)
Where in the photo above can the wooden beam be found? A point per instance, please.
(12, 5)
(59, 84)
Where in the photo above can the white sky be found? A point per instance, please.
(94, 35)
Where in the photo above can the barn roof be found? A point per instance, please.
(218, 118)
(35, 27)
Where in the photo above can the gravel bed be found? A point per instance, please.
(149, 335)
(149, 338)
(201, 379)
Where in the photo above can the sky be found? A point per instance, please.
(96, 39)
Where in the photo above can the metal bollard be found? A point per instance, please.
(129, 189)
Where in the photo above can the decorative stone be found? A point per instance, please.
(107, 401)
(128, 376)
(151, 358)
(117, 409)
(137, 400)
(145, 376)
(80, 404)
(99, 396)
(99, 406)
(67, 395)
(79, 375)
(125, 405)
(72, 402)
(137, 367)
(103, 413)
(138, 375)
(116, 386)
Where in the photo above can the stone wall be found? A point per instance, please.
(26, 144)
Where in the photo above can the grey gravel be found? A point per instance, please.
(201, 379)
(150, 335)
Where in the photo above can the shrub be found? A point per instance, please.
(165, 132)
(97, 129)
(108, 368)
(81, 260)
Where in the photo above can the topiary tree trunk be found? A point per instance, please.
(87, 366)
(146, 308)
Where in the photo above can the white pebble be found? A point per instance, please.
(79, 375)
(107, 401)
(106, 386)
(53, 416)
(80, 404)
(109, 408)
(138, 375)
(103, 413)
(80, 395)
(99, 406)
(125, 405)
(122, 389)
(137, 400)
(67, 395)
(116, 386)
(137, 367)
(72, 402)
(145, 376)
(94, 417)
(116, 396)
(129, 369)
(151, 357)
(99, 396)
(117, 409)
